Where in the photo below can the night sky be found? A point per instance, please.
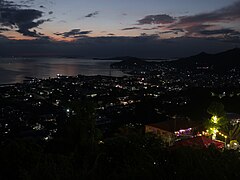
(105, 28)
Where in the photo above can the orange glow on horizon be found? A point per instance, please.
(12, 35)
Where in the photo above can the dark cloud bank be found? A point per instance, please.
(156, 19)
(200, 24)
(15, 17)
(74, 33)
(130, 28)
(142, 46)
(93, 14)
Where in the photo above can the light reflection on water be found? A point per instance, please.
(15, 70)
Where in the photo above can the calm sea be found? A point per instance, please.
(13, 70)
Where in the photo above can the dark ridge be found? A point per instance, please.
(221, 61)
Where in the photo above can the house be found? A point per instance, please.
(199, 142)
(170, 130)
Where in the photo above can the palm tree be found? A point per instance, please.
(234, 134)
(218, 121)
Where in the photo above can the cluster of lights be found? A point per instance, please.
(204, 133)
(183, 131)
(215, 119)
(215, 131)
(222, 135)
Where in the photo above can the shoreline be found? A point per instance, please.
(28, 79)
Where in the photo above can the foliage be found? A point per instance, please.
(234, 133)
(76, 154)
(216, 109)
(218, 121)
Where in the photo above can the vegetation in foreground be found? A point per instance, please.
(80, 152)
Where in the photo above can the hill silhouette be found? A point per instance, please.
(221, 61)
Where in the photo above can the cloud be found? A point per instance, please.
(24, 28)
(21, 20)
(93, 14)
(27, 1)
(74, 33)
(229, 13)
(178, 29)
(220, 31)
(204, 23)
(130, 28)
(5, 3)
(3, 29)
(149, 29)
(167, 32)
(220, 22)
(156, 19)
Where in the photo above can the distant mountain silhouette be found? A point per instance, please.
(130, 63)
(220, 61)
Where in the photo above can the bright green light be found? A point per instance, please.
(215, 119)
(214, 132)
